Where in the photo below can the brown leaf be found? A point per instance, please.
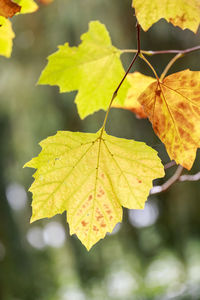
(173, 107)
(8, 8)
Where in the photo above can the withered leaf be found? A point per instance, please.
(8, 8)
(173, 107)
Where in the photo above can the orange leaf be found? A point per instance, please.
(45, 2)
(8, 8)
(139, 82)
(173, 107)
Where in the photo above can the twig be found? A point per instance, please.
(176, 177)
(132, 62)
(194, 177)
(164, 187)
(170, 164)
(149, 52)
(128, 70)
(169, 65)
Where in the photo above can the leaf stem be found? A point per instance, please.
(150, 65)
(169, 65)
(128, 70)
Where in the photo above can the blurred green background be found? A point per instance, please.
(153, 254)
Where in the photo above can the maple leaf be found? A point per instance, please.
(27, 6)
(6, 37)
(138, 82)
(173, 107)
(8, 8)
(91, 176)
(94, 68)
(182, 13)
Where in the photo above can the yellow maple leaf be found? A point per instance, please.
(91, 176)
(27, 6)
(138, 82)
(173, 107)
(6, 37)
(182, 13)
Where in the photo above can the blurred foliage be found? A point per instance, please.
(159, 259)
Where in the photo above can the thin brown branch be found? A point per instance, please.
(149, 52)
(170, 164)
(128, 70)
(132, 62)
(170, 64)
(184, 51)
(176, 177)
(165, 186)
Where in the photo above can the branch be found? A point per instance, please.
(165, 186)
(170, 64)
(176, 177)
(194, 177)
(170, 164)
(132, 62)
(149, 52)
(128, 70)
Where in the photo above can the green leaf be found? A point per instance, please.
(6, 37)
(94, 68)
(27, 6)
(91, 176)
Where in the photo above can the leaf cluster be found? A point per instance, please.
(91, 176)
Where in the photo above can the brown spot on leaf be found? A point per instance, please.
(108, 211)
(90, 197)
(102, 176)
(181, 119)
(158, 92)
(197, 99)
(182, 18)
(156, 126)
(99, 217)
(178, 20)
(101, 191)
(185, 135)
(183, 105)
(193, 83)
(197, 110)
(183, 83)
(186, 148)
(103, 225)
(84, 223)
(8, 8)
(95, 228)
